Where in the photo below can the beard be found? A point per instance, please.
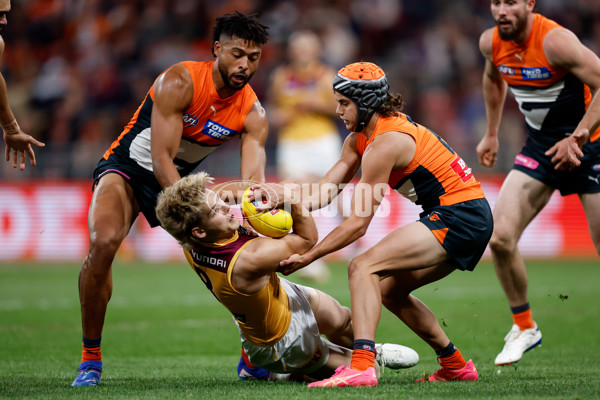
(229, 82)
(515, 31)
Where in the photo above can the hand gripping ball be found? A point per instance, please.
(273, 223)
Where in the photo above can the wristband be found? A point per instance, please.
(11, 128)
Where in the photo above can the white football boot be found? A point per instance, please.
(395, 356)
(517, 343)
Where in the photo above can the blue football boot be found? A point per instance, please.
(90, 374)
(246, 372)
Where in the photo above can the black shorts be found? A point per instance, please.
(144, 184)
(583, 179)
(463, 229)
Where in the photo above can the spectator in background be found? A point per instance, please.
(556, 81)
(17, 142)
(302, 111)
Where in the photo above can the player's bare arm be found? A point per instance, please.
(562, 48)
(262, 256)
(252, 149)
(321, 193)
(253, 157)
(173, 92)
(494, 94)
(17, 141)
(388, 151)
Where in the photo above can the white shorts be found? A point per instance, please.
(302, 349)
(298, 158)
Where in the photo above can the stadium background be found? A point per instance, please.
(76, 71)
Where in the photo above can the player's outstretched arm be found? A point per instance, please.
(563, 49)
(386, 152)
(319, 194)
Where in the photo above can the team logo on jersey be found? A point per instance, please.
(460, 167)
(435, 216)
(218, 131)
(189, 120)
(533, 74)
(506, 70)
(596, 167)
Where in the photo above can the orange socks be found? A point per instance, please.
(455, 361)
(362, 359)
(524, 320)
(91, 354)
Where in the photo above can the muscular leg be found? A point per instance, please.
(591, 205)
(111, 214)
(396, 297)
(410, 247)
(521, 198)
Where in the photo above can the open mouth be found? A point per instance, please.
(504, 24)
(239, 78)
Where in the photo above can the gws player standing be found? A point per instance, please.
(192, 108)
(555, 80)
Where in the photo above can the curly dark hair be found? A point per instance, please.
(246, 27)
(392, 105)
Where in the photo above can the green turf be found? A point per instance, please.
(167, 337)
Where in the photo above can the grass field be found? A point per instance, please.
(167, 337)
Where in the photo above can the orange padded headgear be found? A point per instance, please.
(362, 71)
(366, 85)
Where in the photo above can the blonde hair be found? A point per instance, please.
(182, 207)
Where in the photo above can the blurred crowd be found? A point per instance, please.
(77, 70)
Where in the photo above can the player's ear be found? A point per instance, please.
(217, 48)
(199, 233)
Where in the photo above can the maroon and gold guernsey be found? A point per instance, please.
(263, 317)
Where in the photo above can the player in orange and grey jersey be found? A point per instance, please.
(209, 121)
(555, 80)
(454, 229)
(191, 109)
(280, 322)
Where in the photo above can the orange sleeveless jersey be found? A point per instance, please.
(436, 175)
(552, 100)
(209, 122)
(264, 317)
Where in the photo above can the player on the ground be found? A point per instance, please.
(17, 141)
(555, 79)
(191, 109)
(454, 229)
(280, 322)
